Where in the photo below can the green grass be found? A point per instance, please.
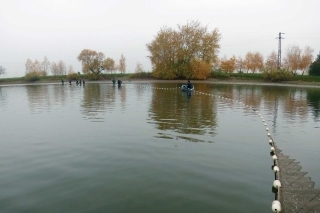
(148, 75)
(306, 78)
(247, 76)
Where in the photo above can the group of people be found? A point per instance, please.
(80, 81)
(114, 82)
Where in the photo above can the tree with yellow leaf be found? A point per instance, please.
(92, 61)
(253, 62)
(298, 59)
(109, 65)
(271, 62)
(188, 52)
(228, 65)
(306, 59)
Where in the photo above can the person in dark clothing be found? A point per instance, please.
(189, 85)
(114, 81)
(119, 82)
(70, 81)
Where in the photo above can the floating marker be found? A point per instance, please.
(267, 129)
(268, 134)
(276, 184)
(274, 157)
(276, 206)
(272, 149)
(276, 169)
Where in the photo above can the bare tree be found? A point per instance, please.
(71, 70)
(139, 68)
(45, 65)
(2, 70)
(61, 68)
(54, 68)
(239, 64)
(122, 64)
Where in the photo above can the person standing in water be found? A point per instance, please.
(119, 82)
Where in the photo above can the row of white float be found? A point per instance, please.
(276, 205)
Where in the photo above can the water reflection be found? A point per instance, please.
(95, 101)
(196, 114)
(188, 111)
(313, 98)
(39, 98)
(181, 116)
(293, 102)
(2, 98)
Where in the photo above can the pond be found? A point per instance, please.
(148, 147)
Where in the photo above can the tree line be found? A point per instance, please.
(42, 68)
(190, 52)
(295, 59)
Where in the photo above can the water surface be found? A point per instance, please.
(148, 147)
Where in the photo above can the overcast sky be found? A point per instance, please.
(60, 29)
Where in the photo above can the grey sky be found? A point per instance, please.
(60, 29)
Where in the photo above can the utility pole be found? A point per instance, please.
(279, 51)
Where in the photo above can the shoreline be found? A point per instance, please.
(208, 81)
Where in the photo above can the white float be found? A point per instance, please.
(276, 206)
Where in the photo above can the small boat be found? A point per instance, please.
(185, 88)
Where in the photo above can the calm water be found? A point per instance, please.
(140, 148)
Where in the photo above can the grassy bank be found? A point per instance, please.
(216, 76)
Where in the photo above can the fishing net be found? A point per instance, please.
(297, 192)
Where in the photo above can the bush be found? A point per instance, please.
(314, 68)
(219, 74)
(277, 75)
(93, 76)
(142, 75)
(72, 76)
(32, 77)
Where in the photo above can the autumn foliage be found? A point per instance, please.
(298, 59)
(188, 52)
(94, 63)
(228, 65)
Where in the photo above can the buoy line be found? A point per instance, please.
(276, 205)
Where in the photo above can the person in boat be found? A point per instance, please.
(189, 85)
(119, 82)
